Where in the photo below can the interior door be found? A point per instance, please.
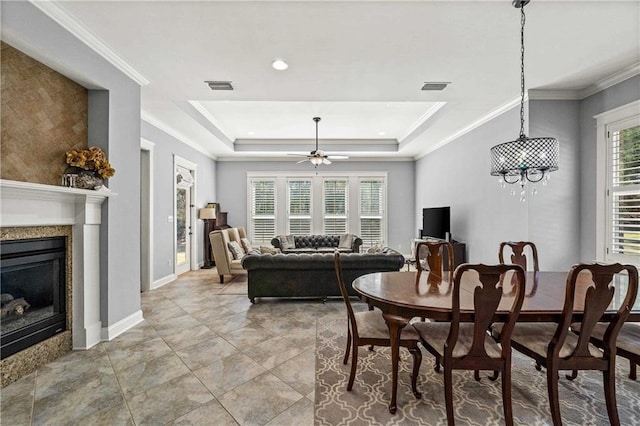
(183, 235)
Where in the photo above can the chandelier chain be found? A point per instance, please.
(522, 22)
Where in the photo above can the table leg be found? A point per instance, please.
(395, 324)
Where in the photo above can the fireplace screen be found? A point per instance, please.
(32, 292)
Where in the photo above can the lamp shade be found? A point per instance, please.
(207, 213)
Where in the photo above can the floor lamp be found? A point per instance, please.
(208, 215)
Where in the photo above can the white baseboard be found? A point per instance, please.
(87, 337)
(113, 331)
(162, 281)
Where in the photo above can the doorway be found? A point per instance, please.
(146, 217)
(184, 195)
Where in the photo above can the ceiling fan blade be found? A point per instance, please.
(338, 157)
(302, 161)
(326, 161)
(297, 155)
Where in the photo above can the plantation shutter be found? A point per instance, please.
(263, 207)
(299, 214)
(371, 212)
(335, 206)
(623, 239)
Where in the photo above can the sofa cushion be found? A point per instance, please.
(287, 242)
(235, 249)
(269, 250)
(346, 241)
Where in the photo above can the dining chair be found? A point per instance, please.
(519, 253)
(627, 345)
(468, 345)
(369, 328)
(555, 348)
(429, 254)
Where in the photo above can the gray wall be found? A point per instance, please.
(166, 146)
(482, 213)
(613, 97)
(232, 191)
(29, 30)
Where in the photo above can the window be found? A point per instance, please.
(618, 185)
(309, 203)
(623, 236)
(335, 206)
(299, 201)
(371, 212)
(263, 210)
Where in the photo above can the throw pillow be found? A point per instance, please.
(246, 245)
(374, 249)
(287, 242)
(236, 250)
(346, 241)
(269, 250)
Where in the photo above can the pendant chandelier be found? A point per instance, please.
(524, 159)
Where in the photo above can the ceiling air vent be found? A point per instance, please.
(220, 85)
(429, 85)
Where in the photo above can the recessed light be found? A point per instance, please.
(381, 133)
(279, 65)
(251, 133)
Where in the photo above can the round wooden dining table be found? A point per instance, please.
(402, 296)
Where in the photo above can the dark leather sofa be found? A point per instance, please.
(316, 244)
(311, 275)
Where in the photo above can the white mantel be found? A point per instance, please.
(34, 204)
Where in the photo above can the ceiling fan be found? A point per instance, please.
(317, 156)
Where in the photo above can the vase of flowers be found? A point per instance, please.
(87, 168)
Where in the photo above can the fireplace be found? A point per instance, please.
(33, 292)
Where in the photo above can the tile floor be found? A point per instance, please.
(204, 356)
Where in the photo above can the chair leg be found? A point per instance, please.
(436, 367)
(494, 376)
(448, 394)
(221, 279)
(506, 395)
(346, 353)
(354, 364)
(417, 361)
(609, 379)
(476, 375)
(632, 370)
(573, 375)
(552, 389)
(538, 366)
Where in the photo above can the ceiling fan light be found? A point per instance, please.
(316, 161)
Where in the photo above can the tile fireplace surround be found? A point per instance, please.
(30, 210)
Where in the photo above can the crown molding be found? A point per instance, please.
(611, 80)
(82, 33)
(555, 95)
(292, 159)
(144, 116)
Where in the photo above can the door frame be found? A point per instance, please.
(146, 221)
(193, 254)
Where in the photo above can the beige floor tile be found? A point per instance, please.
(206, 352)
(299, 414)
(223, 375)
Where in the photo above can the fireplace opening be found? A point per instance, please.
(32, 292)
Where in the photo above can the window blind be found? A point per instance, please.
(263, 219)
(335, 206)
(371, 212)
(299, 214)
(624, 191)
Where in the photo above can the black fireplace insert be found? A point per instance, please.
(32, 292)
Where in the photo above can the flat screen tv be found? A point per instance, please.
(435, 222)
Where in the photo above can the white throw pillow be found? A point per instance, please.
(346, 241)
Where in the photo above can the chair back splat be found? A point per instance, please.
(429, 254)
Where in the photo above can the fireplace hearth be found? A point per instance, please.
(32, 292)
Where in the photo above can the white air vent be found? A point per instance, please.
(220, 85)
(429, 85)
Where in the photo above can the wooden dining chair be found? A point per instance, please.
(369, 328)
(519, 254)
(555, 348)
(429, 254)
(468, 345)
(627, 345)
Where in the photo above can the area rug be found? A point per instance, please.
(475, 403)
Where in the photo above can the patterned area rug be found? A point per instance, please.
(475, 403)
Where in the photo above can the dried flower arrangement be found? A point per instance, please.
(91, 159)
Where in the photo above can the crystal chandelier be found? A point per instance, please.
(524, 159)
